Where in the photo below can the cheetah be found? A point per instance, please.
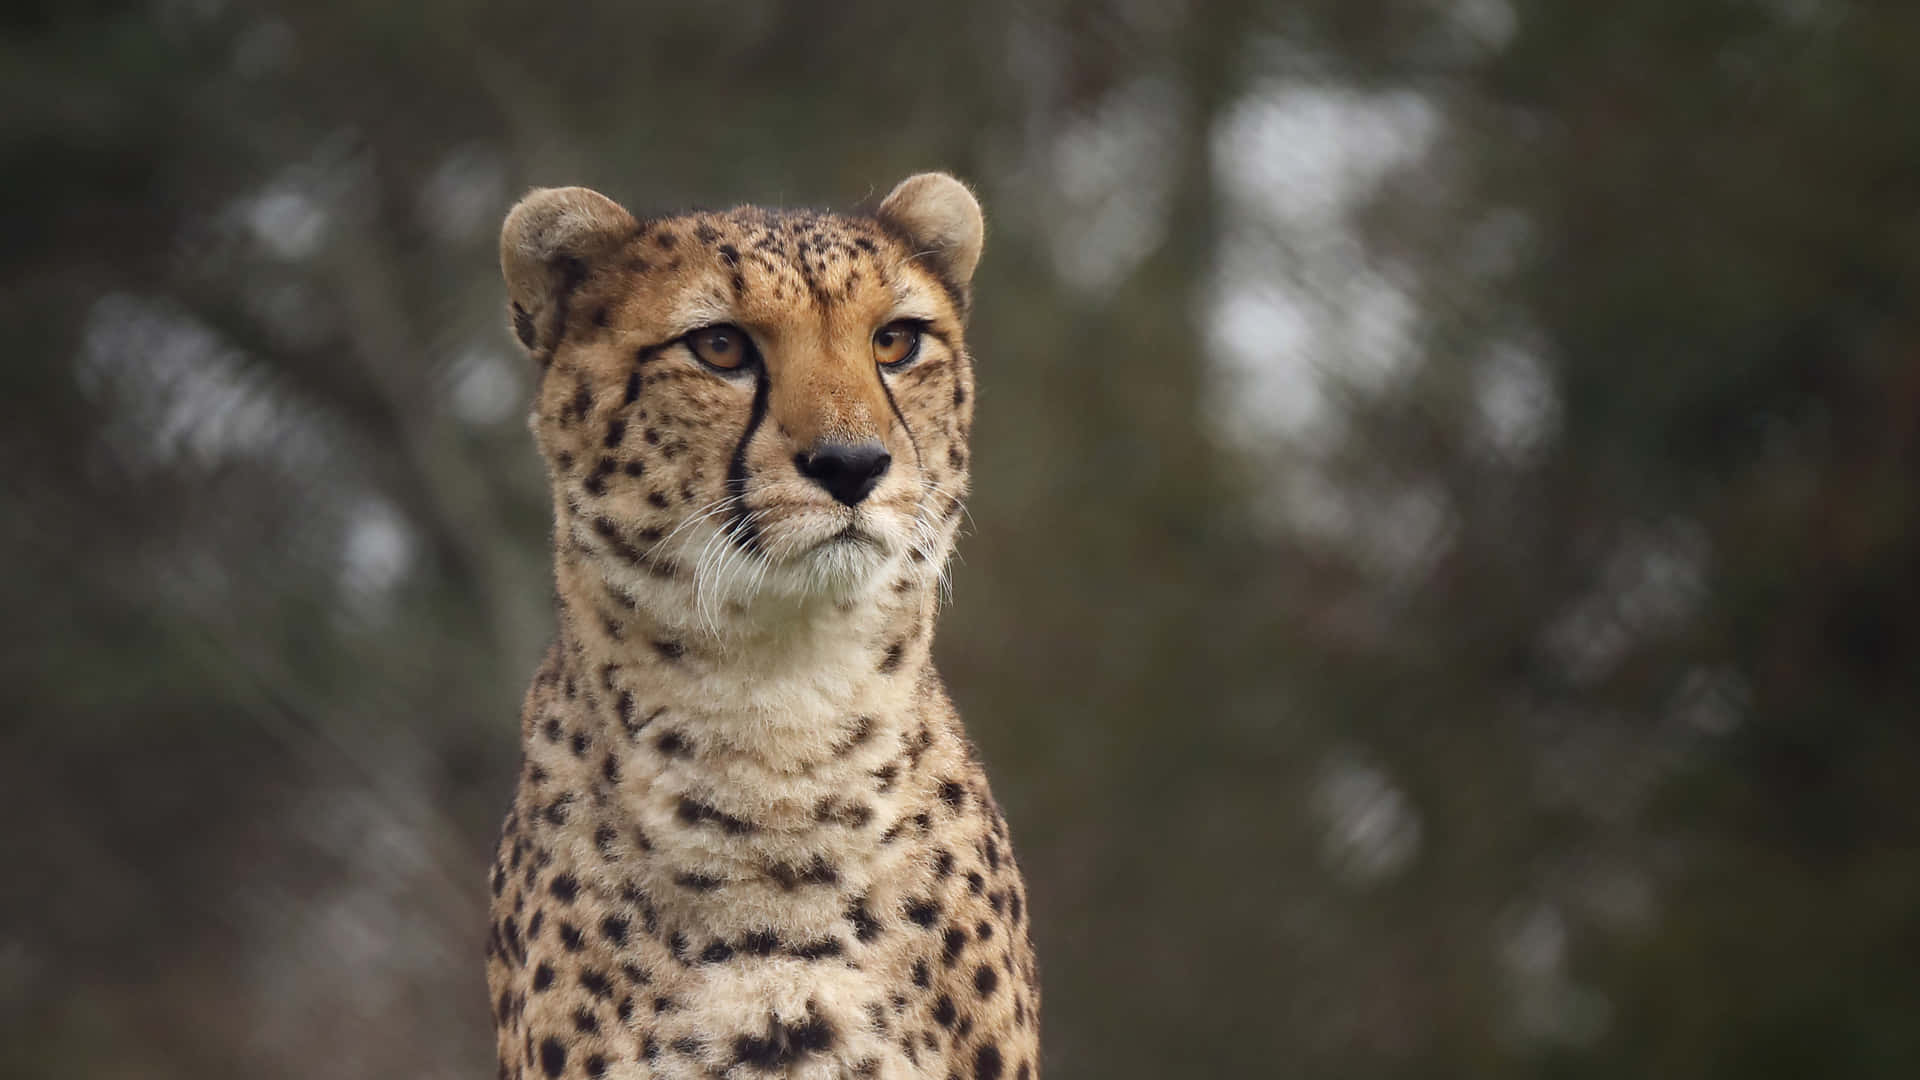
(750, 837)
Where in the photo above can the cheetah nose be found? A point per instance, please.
(848, 471)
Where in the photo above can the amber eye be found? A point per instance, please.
(724, 347)
(896, 343)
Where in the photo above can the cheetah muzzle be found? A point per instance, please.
(750, 837)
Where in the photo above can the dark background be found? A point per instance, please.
(1444, 591)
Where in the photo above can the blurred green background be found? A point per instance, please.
(1444, 596)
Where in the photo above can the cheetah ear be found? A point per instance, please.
(546, 245)
(941, 219)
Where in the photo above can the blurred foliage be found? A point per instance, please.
(1445, 596)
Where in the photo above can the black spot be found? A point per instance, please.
(858, 734)
(853, 815)
(581, 405)
(951, 943)
(922, 977)
(984, 931)
(533, 924)
(564, 887)
(610, 769)
(579, 743)
(614, 929)
(697, 882)
(917, 746)
(986, 1063)
(553, 1057)
(890, 661)
(699, 813)
(759, 943)
(717, 953)
(665, 239)
(585, 1023)
(542, 977)
(616, 431)
(596, 1066)
(943, 1011)
(953, 793)
(634, 973)
(975, 883)
(818, 872)
(865, 926)
(571, 938)
(943, 863)
(674, 744)
(596, 482)
(985, 979)
(818, 950)
(670, 650)
(785, 1044)
(923, 912)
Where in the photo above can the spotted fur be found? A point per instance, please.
(750, 837)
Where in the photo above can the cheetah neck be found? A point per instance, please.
(749, 765)
(778, 681)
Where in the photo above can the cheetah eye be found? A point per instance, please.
(896, 344)
(723, 347)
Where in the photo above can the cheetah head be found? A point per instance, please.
(751, 405)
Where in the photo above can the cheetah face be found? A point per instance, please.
(751, 403)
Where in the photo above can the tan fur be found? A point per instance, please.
(750, 837)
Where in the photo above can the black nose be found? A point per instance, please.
(849, 471)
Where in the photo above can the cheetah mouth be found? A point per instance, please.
(852, 534)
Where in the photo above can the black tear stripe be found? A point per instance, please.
(904, 426)
(747, 535)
